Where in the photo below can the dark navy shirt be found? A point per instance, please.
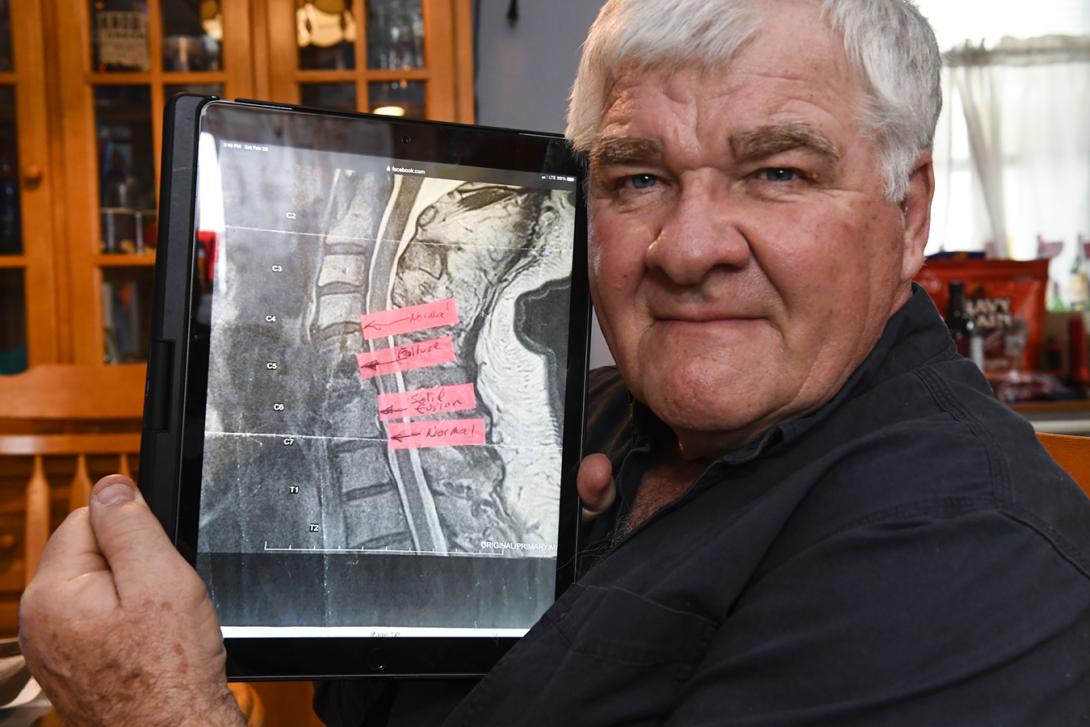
(906, 555)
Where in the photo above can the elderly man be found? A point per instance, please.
(821, 516)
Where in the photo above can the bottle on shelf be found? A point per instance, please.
(118, 210)
(1079, 372)
(1053, 360)
(1078, 288)
(962, 327)
(1056, 302)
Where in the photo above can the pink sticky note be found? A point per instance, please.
(425, 402)
(398, 321)
(403, 358)
(435, 433)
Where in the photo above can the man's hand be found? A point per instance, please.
(595, 485)
(117, 627)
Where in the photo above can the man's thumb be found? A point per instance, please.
(595, 485)
(128, 535)
(113, 489)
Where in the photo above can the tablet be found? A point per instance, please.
(366, 382)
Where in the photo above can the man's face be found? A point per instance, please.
(744, 259)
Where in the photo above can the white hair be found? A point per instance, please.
(889, 45)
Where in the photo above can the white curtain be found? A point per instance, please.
(1012, 150)
(979, 90)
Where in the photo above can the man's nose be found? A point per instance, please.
(700, 234)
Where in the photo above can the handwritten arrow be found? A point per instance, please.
(390, 410)
(399, 437)
(380, 326)
(373, 365)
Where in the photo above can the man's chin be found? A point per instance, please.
(728, 417)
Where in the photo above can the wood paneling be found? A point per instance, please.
(66, 392)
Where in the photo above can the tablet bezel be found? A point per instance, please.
(174, 414)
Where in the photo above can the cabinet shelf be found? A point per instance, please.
(124, 260)
(377, 74)
(168, 77)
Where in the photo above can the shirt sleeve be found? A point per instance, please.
(915, 620)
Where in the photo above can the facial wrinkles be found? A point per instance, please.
(688, 133)
(814, 93)
(672, 105)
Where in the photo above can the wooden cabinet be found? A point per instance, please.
(118, 62)
(81, 99)
(396, 56)
(82, 88)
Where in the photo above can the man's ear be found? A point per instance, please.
(916, 209)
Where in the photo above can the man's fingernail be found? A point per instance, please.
(115, 492)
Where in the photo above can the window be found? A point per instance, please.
(1024, 171)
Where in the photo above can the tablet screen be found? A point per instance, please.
(385, 404)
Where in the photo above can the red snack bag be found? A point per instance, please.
(1006, 299)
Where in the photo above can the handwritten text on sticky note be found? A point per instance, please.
(426, 402)
(398, 321)
(435, 433)
(403, 358)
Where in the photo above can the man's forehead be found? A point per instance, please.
(637, 84)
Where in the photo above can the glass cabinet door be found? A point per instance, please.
(13, 303)
(394, 57)
(117, 62)
(27, 311)
(121, 61)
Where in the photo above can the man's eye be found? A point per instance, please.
(779, 174)
(641, 181)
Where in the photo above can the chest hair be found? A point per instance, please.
(660, 486)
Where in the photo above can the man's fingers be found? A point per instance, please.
(129, 537)
(595, 485)
(71, 570)
(72, 550)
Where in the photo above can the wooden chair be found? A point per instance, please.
(67, 413)
(1072, 453)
